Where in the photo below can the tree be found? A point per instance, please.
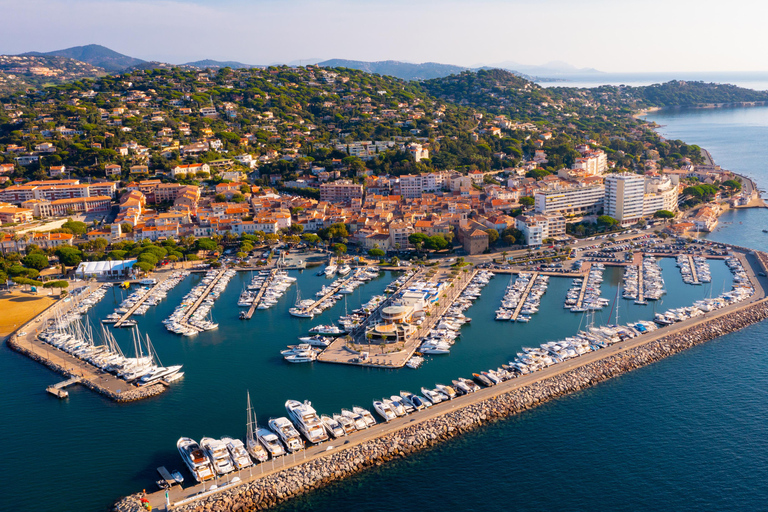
(339, 249)
(143, 266)
(238, 198)
(733, 184)
(36, 260)
(376, 253)
(76, 227)
(297, 228)
(417, 239)
(126, 228)
(607, 221)
(206, 244)
(69, 256)
(220, 198)
(493, 236)
(663, 214)
(527, 201)
(310, 238)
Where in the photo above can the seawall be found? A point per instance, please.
(317, 472)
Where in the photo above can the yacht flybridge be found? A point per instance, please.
(306, 419)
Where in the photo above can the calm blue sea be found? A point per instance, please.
(687, 433)
(751, 80)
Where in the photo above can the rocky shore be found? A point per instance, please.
(130, 395)
(273, 489)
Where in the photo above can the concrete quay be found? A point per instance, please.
(338, 352)
(266, 486)
(524, 296)
(25, 342)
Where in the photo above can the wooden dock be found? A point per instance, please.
(259, 295)
(524, 296)
(58, 389)
(640, 285)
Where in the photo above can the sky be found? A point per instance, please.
(609, 35)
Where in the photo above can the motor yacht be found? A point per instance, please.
(237, 452)
(218, 454)
(384, 410)
(333, 427)
(270, 441)
(306, 420)
(195, 459)
(287, 433)
(348, 424)
(359, 421)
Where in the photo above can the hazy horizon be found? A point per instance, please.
(612, 37)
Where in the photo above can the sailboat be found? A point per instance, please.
(160, 372)
(298, 310)
(252, 444)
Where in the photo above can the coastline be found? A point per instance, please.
(449, 419)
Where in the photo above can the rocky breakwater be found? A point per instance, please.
(274, 488)
(131, 394)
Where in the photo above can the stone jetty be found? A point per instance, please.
(316, 472)
(131, 393)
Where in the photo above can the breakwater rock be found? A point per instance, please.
(272, 489)
(130, 395)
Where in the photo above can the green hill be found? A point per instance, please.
(94, 54)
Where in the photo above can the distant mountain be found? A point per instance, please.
(404, 70)
(94, 54)
(215, 64)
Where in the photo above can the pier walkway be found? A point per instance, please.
(640, 285)
(524, 296)
(190, 311)
(584, 283)
(694, 274)
(333, 291)
(141, 301)
(58, 389)
(259, 295)
(179, 496)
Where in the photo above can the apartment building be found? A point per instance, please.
(569, 198)
(624, 197)
(340, 191)
(661, 193)
(536, 228)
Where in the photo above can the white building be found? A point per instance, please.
(536, 228)
(624, 197)
(660, 194)
(592, 162)
(571, 199)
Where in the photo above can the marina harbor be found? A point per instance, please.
(414, 319)
(305, 435)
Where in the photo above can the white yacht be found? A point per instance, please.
(357, 419)
(218, 454)
(256, 449)
(366, 414)
(333, 427)
(270, 442)
(330, 270)
(237, 452)
(343, 270)
(347, 423)
(306, 419)
(195, 459)
(384, 410)
(287, 433)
